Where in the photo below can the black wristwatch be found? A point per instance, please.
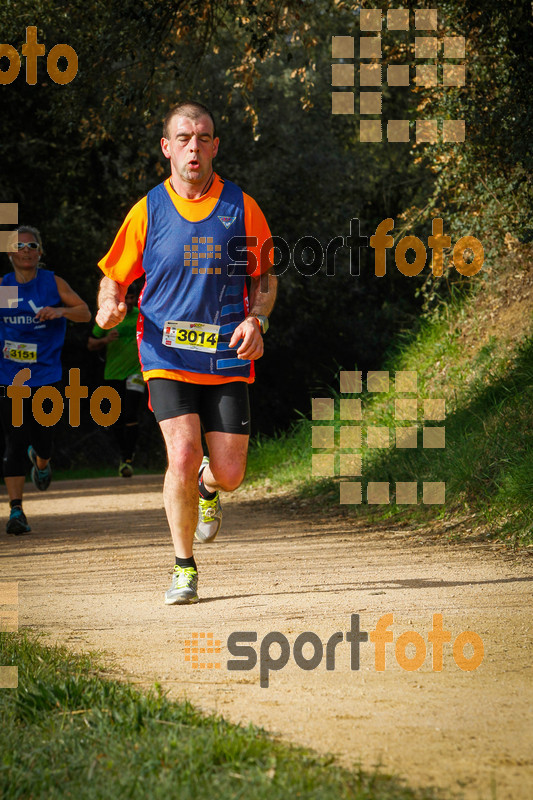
(263, 322)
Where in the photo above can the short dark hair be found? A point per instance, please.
(188, 108)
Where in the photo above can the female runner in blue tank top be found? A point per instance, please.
(32, 333)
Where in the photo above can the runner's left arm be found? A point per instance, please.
(73, 308)
(263, 291)
(263, 286)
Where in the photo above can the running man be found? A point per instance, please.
(199, 332)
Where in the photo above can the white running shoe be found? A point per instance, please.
(209, 515)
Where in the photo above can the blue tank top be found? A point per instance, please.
(26, 341)
(190, 279)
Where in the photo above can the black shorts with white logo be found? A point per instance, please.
(222, 407)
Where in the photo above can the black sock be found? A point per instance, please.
(15, 504)
(186, 562)
(203, 491)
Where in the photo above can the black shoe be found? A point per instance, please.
(41, 477)
(17, 522)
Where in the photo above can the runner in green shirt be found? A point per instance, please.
(123, 373)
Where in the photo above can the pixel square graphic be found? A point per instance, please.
(351, 436)
(373, 74)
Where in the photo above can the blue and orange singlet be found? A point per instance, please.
(182, 247)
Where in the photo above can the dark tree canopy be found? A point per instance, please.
(76, 157)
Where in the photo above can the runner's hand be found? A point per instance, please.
(110, 314)
(252, 344)
(49, 312)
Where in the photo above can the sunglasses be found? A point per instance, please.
(30, 245)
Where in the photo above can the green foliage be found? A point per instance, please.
(77, 157)
(92, 148)
(282, 458)
(489, 437)
(486, 463)
(483, 186)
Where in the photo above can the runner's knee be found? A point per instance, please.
(228, 476)
(184, 459)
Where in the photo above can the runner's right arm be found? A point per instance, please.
(111, 306)
(121, 265)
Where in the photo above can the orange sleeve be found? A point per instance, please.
(256, 226)
(123, 262)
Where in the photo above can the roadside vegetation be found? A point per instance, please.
(68, 731)
(475, 351)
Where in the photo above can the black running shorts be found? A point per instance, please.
(223, 407)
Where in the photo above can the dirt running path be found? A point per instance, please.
(93, 574)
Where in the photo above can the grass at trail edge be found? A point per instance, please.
(486, 463)
(69, 732)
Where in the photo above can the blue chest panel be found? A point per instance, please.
(189, 279)
(18, 325)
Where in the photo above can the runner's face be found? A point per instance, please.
(26, 260)
(191, 148)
